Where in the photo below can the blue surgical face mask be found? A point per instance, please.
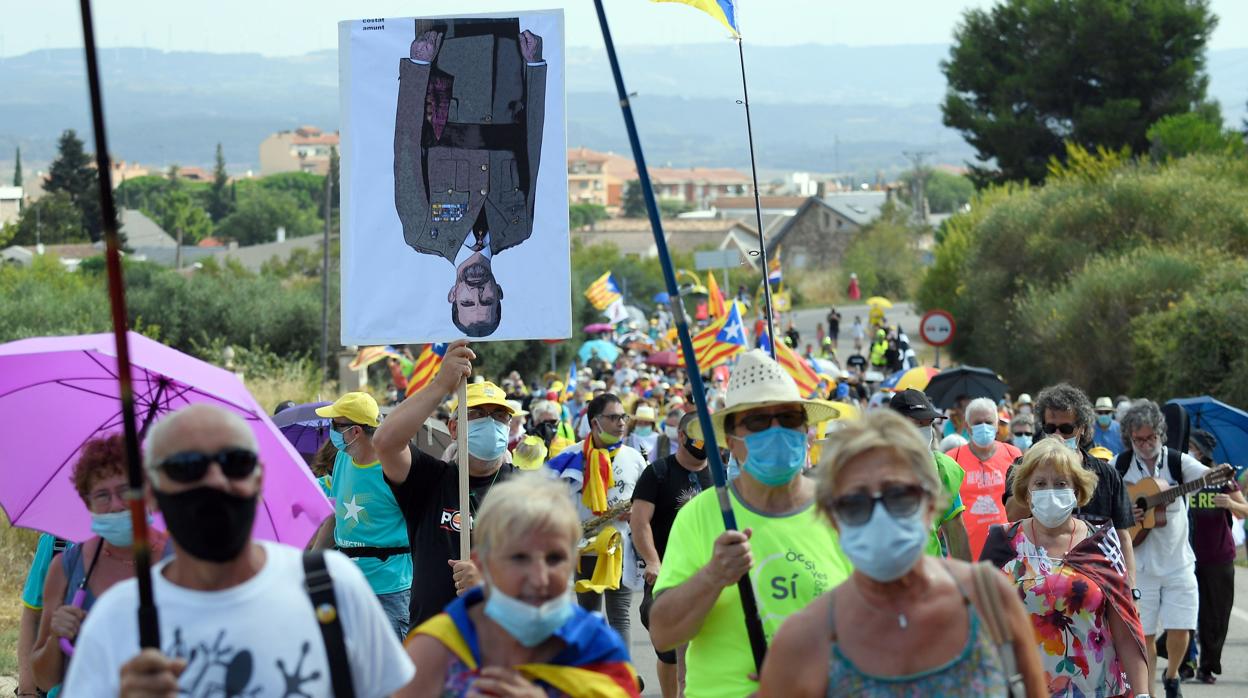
(336, 438)
(1022, 442)
(982, 435)
(113, 527)
(885, 547)
(1072, 442)
(732, 469)
(487, 438)
(1104, 420)
(529, 624)
(777, 455)
(643, 431)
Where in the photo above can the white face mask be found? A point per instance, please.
(1052, 507)
(928, 434)
(670, 432)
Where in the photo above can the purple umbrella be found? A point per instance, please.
(61, 391)
(303, 427)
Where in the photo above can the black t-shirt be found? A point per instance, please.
(666, 484)
(1109, 500)
(429, 499)
(857, 361)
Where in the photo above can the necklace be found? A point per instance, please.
(1071, 544)
(902, 621)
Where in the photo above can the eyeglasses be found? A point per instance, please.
(1066, 429)
(761, 422)
(499, 415)
(341, 427)
(620, 418)
(899, 500)
(190, 466)
(102, 498)
(1144, 441)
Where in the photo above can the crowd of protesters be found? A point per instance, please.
(893, 548)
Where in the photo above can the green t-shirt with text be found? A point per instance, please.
(796, 558)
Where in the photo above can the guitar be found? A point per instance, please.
(1154, 494)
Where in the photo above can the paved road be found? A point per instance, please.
(1232, 684)
(806, 322)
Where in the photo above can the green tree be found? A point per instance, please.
(260, 214)
(72, 172)
(582, 215)
(1027, 75)
(885, 255)
(177, 210)
(945, 192)
(51, 220)
(335, 176)
(219, 203)
(17, 168)
(1188, 134)
(670, 208)
(634, 204)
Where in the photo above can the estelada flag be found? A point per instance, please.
(723, 10)
(714, 299)
(371, 355)
(719, 341)
(603, 292)
(426, 367)
(805, 377)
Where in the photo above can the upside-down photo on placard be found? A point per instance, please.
(455, 207)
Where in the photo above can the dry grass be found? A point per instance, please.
(17, 546)
(817, 288)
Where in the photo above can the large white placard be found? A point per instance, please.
(454, 179)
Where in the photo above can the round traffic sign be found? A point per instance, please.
(937, 327)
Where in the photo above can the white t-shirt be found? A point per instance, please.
(260, 638)
(626, 467)
(1166, 549)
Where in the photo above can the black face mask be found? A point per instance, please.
(699, 453)
(208, 523)
(546, 430)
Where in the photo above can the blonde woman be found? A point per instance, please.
(1071, 578)
(904, 623)
(522, 632)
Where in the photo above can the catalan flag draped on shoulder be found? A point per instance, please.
(714, 298)
(593, 661)
(719, 341)
(603, 292)
(723, 10)
(426, 367)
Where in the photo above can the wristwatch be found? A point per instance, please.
(1135, 593)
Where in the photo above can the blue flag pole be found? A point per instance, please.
(749, 604)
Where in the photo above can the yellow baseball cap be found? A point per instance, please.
(484, 393)
(360, 408)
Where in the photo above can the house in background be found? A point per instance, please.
(817, 236)
(633, 236)
(305, 149)
(598, 178)
(10, 204)
(699, 187)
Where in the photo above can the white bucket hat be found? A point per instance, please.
(758, 381)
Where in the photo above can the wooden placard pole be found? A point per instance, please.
(461, 442)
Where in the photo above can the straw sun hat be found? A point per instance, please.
(758, 381)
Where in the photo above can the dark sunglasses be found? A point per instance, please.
(762, 422)
(1066, 429)
(1024, 433)
(899, 500)
(190, 466)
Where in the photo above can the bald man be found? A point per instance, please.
(234, 613)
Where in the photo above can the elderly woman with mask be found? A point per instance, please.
(790, 557)
(522, 633)
(93, 566)
(1072, 580)
(904, 623)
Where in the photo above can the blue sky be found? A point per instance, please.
(291, 27)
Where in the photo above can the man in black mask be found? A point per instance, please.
(219, 596)
(661, 491)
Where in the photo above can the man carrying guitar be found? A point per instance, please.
(1164, 562)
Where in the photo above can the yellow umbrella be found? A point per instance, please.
(880, 301)
(916, 378)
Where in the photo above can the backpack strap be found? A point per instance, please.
(1174, 461)
(660, 470)
(1123, 462)
(993, 615)
(320, 587)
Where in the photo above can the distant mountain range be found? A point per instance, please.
(819, 108)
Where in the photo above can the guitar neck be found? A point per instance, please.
(1162, 499)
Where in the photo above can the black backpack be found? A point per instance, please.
(1174, 461)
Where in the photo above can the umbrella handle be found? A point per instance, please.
(79, 597)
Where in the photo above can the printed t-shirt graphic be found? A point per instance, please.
(367, 515)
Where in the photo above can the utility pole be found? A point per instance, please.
(918, 192)
(177, 257)
(329, 188)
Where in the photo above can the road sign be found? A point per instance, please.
(937, 328)
(717, 259)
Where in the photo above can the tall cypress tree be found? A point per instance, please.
(220, 202)
(17, 169)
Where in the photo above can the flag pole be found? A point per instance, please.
(758, 205)
(749, 604)
(149, 626)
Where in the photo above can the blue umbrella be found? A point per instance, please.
(662, 297)
(605, 350)
(1229, 425)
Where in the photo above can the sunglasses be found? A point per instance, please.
(1024, 433)
(899, 500)
(1066, 429)
(762, 422)
(190, 466)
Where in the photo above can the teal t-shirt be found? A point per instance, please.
(367, 515)
(32, 593)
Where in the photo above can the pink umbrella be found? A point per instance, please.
(60, 391)
(663, 359)
(597, 327)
